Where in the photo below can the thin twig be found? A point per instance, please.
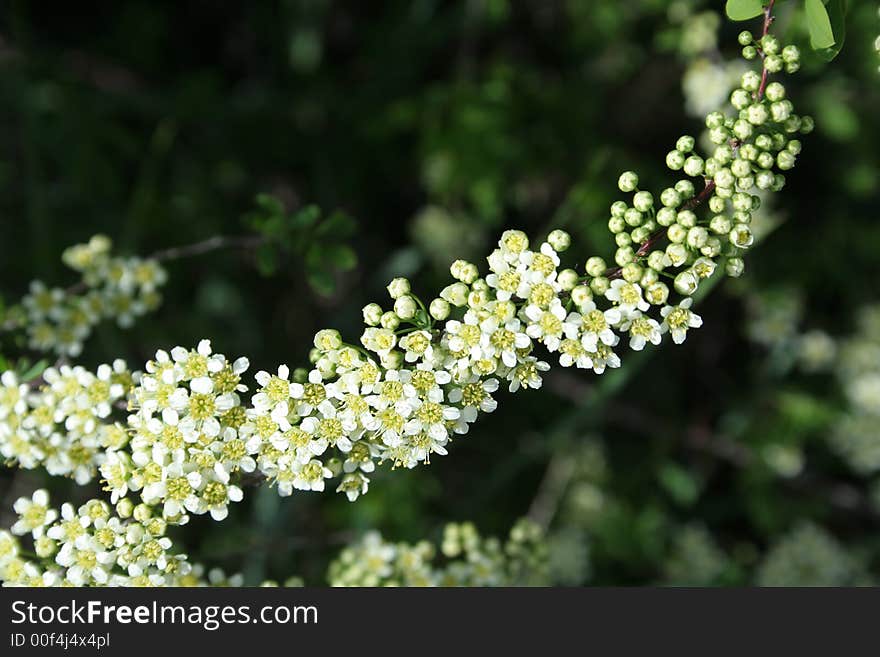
(208, 245)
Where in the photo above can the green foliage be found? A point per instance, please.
(322, 242)
(743, 10)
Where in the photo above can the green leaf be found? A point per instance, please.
(679, 483)
(269, 204)
(34, 370)
(267, 259)
(338, 226)
(837, 15)
(342, 256)
(321, 281)
(743, 10)
(819, 24)
(306, 217)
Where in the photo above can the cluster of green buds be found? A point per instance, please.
(111, 287)
(464, 558)
(751, 151)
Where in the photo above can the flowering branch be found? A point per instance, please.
(423, 372)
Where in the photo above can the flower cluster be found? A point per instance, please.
(93, 545)
(809, 556)
(855, 436)
(186, 437)
(468, 560)
(59, 320)
(65, 424)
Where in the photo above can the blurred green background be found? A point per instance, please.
(748, 455)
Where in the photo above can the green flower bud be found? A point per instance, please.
(628, 181)
(559, 240)
(398, 287)
(632, 272)
(124, 508)
(649, 277)
(697, 237)
(581, 295)
(765, 180)
(685, 144)
(740, 98)
(595, 266)
(670, 198)
(618, 208)
(633, 217)
(712, 248)
(677, 254)
(785, 160)
(774, 63)
(666, 216)
(390, 320)
(744, 38)
(775, 92)
(770, 44)
(693, 166)
(740, 168)
(640, 235)
(749, 52)
(750, 81)
(372, 314)
(624, 255)
(676, 233)
(734, 267)
(714, 120)
(757, 114)
(393, 360)
(675, 160)
(686, 283)
(658, 260)
(567, 279)
(622, 239)
(724, 178)
(599, 285)
(456, 294)
(616, 224)
(742, 129)
(643, 201)
(686, 218)
(791, 54)
(717, 204)
(685, 188)
(439, 309)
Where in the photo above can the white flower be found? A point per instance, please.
(546, 325)
(596, 326)
(527, 374)
(627, 297)
(330, 426)
(678, 319)
(642, 330)
(311, 476)
(34, 514)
